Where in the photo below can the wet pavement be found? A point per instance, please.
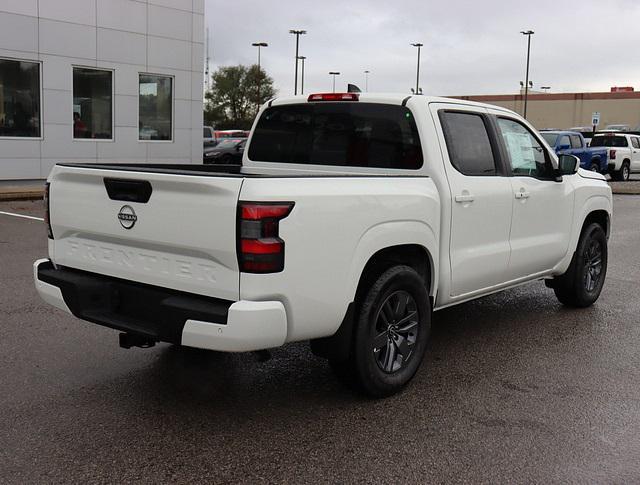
(515, 388)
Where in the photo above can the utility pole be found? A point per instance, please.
(302, 58)
(419, 46)
(366, 81)
(334, 74)
(528, 33)
(297, 33)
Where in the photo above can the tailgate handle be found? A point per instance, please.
(128, 190)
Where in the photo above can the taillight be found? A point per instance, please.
(334, 97)
(612, 154)
(260, 249)
(47, 219)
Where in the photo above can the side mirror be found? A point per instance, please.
(568, 164)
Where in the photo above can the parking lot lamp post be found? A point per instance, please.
(419, 46)
(528, 33)
(297, 33)
(334, 74)
(366, 81)
(302, 58)
(259, 45)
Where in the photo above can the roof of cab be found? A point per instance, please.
(390, 98)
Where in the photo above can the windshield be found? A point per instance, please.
(609, 141)
(550, 138)
(228, 143)
(350, 134)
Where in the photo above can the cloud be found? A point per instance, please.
(469, 47)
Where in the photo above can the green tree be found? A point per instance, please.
(235, 96)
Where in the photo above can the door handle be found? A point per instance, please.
(522, 195)
(464, 198)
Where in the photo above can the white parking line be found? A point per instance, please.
(22, 216)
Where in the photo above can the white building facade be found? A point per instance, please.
(99, 81)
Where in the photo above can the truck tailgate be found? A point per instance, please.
(183, 237)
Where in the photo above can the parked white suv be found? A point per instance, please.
(624, 153)
(352, 218)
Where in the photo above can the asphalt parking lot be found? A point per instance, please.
(515, 388)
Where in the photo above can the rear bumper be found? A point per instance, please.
(161, 314)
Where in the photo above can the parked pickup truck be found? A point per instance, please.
(353, 217)
(573, 143)
(624, 153)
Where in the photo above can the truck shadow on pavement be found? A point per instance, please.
(481, 340)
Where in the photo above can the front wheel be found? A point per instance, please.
(582, 284)
(392, 330)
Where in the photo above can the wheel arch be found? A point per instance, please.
(599, 216)
(414, 255)
(596, 208)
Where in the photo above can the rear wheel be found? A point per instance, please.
(595, 167)
(392, 330)
(624, 172)
(582, 284)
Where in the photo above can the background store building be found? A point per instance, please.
(99, 80)
(567, 110)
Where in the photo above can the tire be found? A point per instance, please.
(624, 172)
(582, 284)
(395, 314)
(595, 167)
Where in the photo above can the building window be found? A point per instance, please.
(19, 98)
(92, 103)
(155, 107)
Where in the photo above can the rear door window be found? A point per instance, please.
(349, 134)
(564, 141)
(575, 141)
(634, 142)
(468, 143)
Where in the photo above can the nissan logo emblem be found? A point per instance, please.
(127, 217)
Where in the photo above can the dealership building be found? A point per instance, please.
(99, 81)
(567, 110)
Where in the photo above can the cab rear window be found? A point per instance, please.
(609, 141)
(349, 134)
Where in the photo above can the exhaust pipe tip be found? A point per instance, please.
(128, 340)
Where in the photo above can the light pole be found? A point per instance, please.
(334, 74)
(419, 46)
(297, 33)
(545, 88)
(528, 33)
(302, 58)
(366, 81)
(259, 45)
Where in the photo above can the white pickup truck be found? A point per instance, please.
(624, 153)
(353, 217)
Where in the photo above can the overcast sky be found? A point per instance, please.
(470, 47)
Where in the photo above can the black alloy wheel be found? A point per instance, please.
(397, 331)
(593, 265)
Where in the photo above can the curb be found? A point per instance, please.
(625, 191)
(21, 194)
